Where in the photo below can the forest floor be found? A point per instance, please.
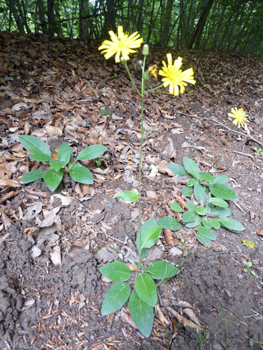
(51, 290)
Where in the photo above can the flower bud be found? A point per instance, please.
(122, 60)
(145, 50)
(140, 63)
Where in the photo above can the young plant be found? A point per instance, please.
(258, 151)
(211, 194)
(143, 298)
(53, 176)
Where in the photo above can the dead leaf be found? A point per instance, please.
(189, 312)
(183, 320)
(260, 232)
(128, 319)
(56, 255)
(161, 316)
(170, 238)
(181, 202)
(53, 130)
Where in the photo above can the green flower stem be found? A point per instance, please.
(132, 81)
(140, 161)
(157, 87)
(224, 147)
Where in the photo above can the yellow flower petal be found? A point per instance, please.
(239, 115)
(121, 45)
(174, 77)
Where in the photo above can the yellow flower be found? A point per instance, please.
(153, 70)
(174, 77)
(239, 115)
(121, 45)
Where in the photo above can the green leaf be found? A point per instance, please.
(206, 233)
(201, 211)
(56, 164)
(66, 158)
(142, 314)
(161, 270)
(206, 242)
(116, 271)
(103, 111)
(146, 289)
(191, 182)
(177, 169)
(191, 206)
(81, 174)
(64, 148)
(91, 152)
(187, 191)
(214, 223)
(223, 191)
(189, 215)
(149, 237)
(53, 178)
(220, 179)
(199, 193)
(128, 196)
(218, 211)
(35, 145)
(207, 177)
(40, 156)
(176, 207)
(194, 223)
(191, 167)
(169, 223)
(206, 223)
(231, 224)
(115, 298)
(33, 175)
(148, 223)
(219, 202)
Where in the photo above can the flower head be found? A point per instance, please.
(239, 115)
(121, 45)
(174, 77)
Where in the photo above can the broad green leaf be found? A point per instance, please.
(142, 314)
(199, 193)
(219, 202)
(231, 224)
(187, 191)
(53, 178)
(32, 176)
(116, 271)
(128, 196)
(189, 215)
(201, 211)
(148, 223)
(64, 148)
(56, 164)
(91, 152)
(219, 211)
(34, 145)
(191, 167)
(194, 223)
(66, 158)
(162, 270)
(206, 242)
(206, 233)
(206, 223)
(207, 177)
(169, 223)
(220, 179)
(40, 156)
(146, 289)
(223, 191)
(191, 182)
(149, 237)
(191, 206)
(81, 174)
(177, 169)
(214, 223)
(176, 207)
(115, 298)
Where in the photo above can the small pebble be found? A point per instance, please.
(217, 346)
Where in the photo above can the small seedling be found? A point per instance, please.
(258, 150)
(248, 266)
(54, 176)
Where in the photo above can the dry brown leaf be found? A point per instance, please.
(161, 316)
(183, 304)
(11, 183)
(131, 266)
(260, 232)
(128, 319)
(189, 312)
(181, 202)
(183, 320)
(6, 221)
(170, 238)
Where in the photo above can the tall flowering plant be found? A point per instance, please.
(143, 298)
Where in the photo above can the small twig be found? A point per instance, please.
(239, 207)
(226, 127)
(2, 239)
(244, 154)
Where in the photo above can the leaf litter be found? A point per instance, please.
(58, 98)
